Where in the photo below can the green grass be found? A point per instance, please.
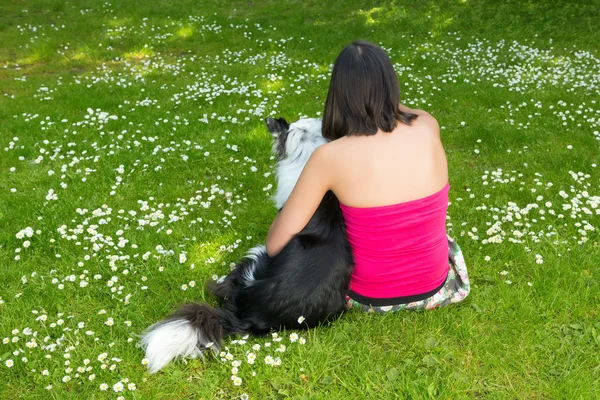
(522, 76)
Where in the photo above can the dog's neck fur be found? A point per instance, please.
(303, 139)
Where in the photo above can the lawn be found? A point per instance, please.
(135, 166)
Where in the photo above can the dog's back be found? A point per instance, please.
(308, 278)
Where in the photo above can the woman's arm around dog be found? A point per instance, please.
(313, 183)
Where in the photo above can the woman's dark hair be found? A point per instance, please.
(364, 94)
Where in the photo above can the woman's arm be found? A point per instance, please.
(313, 183)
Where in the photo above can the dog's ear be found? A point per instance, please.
(276, 126)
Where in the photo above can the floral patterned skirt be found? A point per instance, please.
(455, 289)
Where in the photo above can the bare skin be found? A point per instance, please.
(387, 168)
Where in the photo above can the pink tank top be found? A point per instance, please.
(399, 250)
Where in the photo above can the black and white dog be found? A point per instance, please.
(308, 278)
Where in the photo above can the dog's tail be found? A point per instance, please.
(196, 328)
(189, 332)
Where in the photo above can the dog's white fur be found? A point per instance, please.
(170, 339)
(176, 338)
(304, 136)
(254, 254)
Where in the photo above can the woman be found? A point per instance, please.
(386, 165)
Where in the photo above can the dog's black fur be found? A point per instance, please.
(308, 278)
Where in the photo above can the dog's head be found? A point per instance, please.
(292, 140)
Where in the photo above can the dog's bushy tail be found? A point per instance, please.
(196, 328)
(188, 332)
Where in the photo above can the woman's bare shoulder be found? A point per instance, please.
(424, 119)
(325, 154)
(331, 148)
(330, 155)
(428, 121)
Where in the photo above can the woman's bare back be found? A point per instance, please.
(406, 164)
